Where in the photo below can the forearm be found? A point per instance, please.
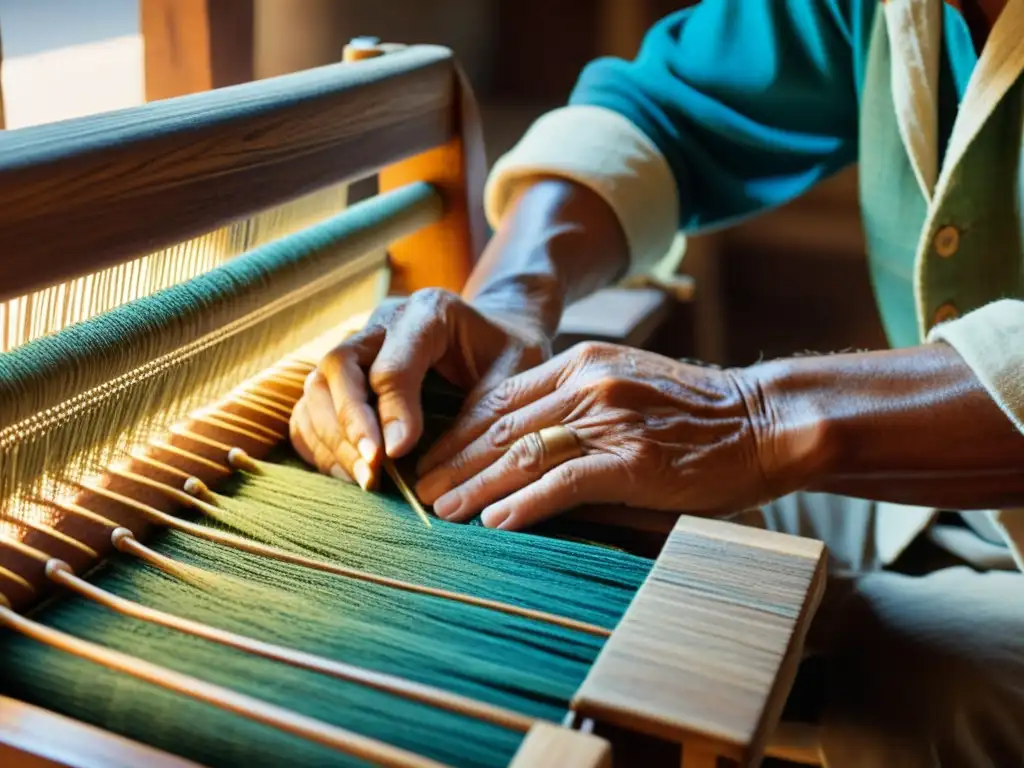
(912, 426)
(558, 242)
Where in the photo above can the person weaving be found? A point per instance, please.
(732, 107)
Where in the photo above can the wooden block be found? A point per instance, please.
(549, 746)
(31, 737)
(708, 650)
(616, 315)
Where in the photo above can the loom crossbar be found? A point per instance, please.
(84, 194)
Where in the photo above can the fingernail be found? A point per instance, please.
(367, 450)
(362, 473)
(492, 517)
(394, 433)
(431, 487)
(447, 505)
(340, 474)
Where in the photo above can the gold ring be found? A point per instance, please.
(557, 445)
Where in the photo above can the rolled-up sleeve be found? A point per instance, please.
(731, 107)
(991, 341)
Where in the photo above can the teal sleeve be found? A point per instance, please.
(751, 102)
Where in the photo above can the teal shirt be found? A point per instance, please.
(752, 102)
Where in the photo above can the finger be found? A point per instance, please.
(484, 408)
(297, 438)
(548, 411)
(523, 463)
(415, 342)
(342, 371)
(586, 480)
(309, 447)
(324, 422)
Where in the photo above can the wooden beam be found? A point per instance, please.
(208, 159)
(548, 746)
(196, 45)
(709, 648)
(441, 255)
(31, 737)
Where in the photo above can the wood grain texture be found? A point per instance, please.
(196, 45)
(31, 737)
(458, 169)
(88, 193)
(549, 746)
(708, 651)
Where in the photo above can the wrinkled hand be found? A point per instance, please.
(655, 433)
(334, 427)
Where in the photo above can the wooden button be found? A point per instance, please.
(947, 241)
(945, 313)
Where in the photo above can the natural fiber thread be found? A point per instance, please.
(296, 509)
(74, 401)
(530, 667)
(52, 309)
(35, 376)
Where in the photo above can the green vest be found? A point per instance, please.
(931, 266)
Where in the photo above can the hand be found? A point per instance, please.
(654, 433)
(334, 427)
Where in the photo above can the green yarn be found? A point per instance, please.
(321, 517)
(35, 376)
(527, 666)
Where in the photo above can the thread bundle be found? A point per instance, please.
(527, 666)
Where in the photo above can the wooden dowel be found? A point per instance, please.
(215, 421)
(286, 380)
(241, 460)
(142, 458)
(204, 462)
(15, 578)
(241, 704)
(289, 378)
(53, 533)
(298, 364)
(281, 399)
(256, 548)
(263, 406)
(22, 548)
(182, 431)
(78, 511)
(255, 426)
(61, 573)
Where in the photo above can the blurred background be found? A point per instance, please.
(793, 280)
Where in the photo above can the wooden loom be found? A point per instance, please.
(702, 662)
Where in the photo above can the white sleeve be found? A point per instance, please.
(602, 150)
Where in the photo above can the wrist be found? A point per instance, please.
(790, 405)
(523, 301)
(557, 242)
(518, 324)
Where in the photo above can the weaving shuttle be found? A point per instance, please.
(177, 589)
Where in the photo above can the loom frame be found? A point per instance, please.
(218, 156)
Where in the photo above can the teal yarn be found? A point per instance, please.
(35, 376)
(299, 510)
(523, 665)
